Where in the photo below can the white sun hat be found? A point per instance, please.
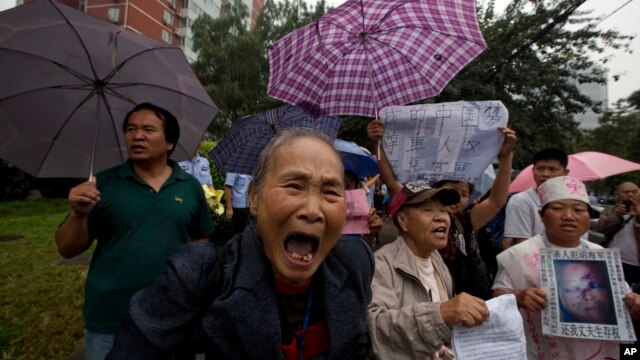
(562, 188)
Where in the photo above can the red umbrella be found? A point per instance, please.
(586, 166)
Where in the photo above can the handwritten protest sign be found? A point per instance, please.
(453, 141)
(585, 288)
(357, 212)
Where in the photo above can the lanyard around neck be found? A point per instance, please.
(305, 325)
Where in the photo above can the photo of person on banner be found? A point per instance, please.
(584, 292)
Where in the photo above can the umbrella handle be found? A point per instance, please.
(375, 108)
(95, 134)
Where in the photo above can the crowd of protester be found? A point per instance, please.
(290, 285)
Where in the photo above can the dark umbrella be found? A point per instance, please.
(368, 54)
(69, 78)
(355, 159)
(238, 152)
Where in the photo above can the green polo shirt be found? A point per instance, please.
(137, 229)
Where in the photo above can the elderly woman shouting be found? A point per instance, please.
(413, 307)
(290, 289)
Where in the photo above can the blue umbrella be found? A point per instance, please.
(239, 150)
(355, 159)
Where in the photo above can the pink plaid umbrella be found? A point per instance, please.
(368, 54)
(586, 166)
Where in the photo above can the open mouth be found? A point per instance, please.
(568, 226)
(442, 230)
(301, 247)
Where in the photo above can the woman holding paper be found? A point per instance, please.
(565, 215)
(414, 307)
(462, 253)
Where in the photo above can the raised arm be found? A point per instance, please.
(482, 213)
(375, 131)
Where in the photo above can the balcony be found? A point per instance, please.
(181, 31)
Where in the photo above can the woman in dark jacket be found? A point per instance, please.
(290, 288)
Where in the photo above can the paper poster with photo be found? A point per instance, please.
(357, 212)
(453, 141)
(585, 288)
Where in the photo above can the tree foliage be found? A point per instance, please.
(232, 63)
(618, 134)
(533, 82)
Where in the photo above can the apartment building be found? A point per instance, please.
(166, 20)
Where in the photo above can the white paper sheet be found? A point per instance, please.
(500, 338)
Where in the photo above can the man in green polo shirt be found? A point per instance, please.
(139, 212)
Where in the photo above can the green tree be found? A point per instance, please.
(232, 64)
(533, 48)
(618, 134)
(229, 62)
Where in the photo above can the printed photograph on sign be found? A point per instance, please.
(585, 290)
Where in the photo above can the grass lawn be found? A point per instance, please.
(40, 301)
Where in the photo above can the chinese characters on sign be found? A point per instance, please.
(357, 212)
(585, 288)
(453, 141)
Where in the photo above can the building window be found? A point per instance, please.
(113, 14)
(166, 36)
(168, 18)
(172, 3)
(226, 8)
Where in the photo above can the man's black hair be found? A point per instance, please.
(552, 154)
(169, 123)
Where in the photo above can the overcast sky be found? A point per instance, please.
(626, 21)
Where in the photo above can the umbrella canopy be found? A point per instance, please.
(355, 159)
(365, 55)
(69, 78)
(239, 150)
(586, 166)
